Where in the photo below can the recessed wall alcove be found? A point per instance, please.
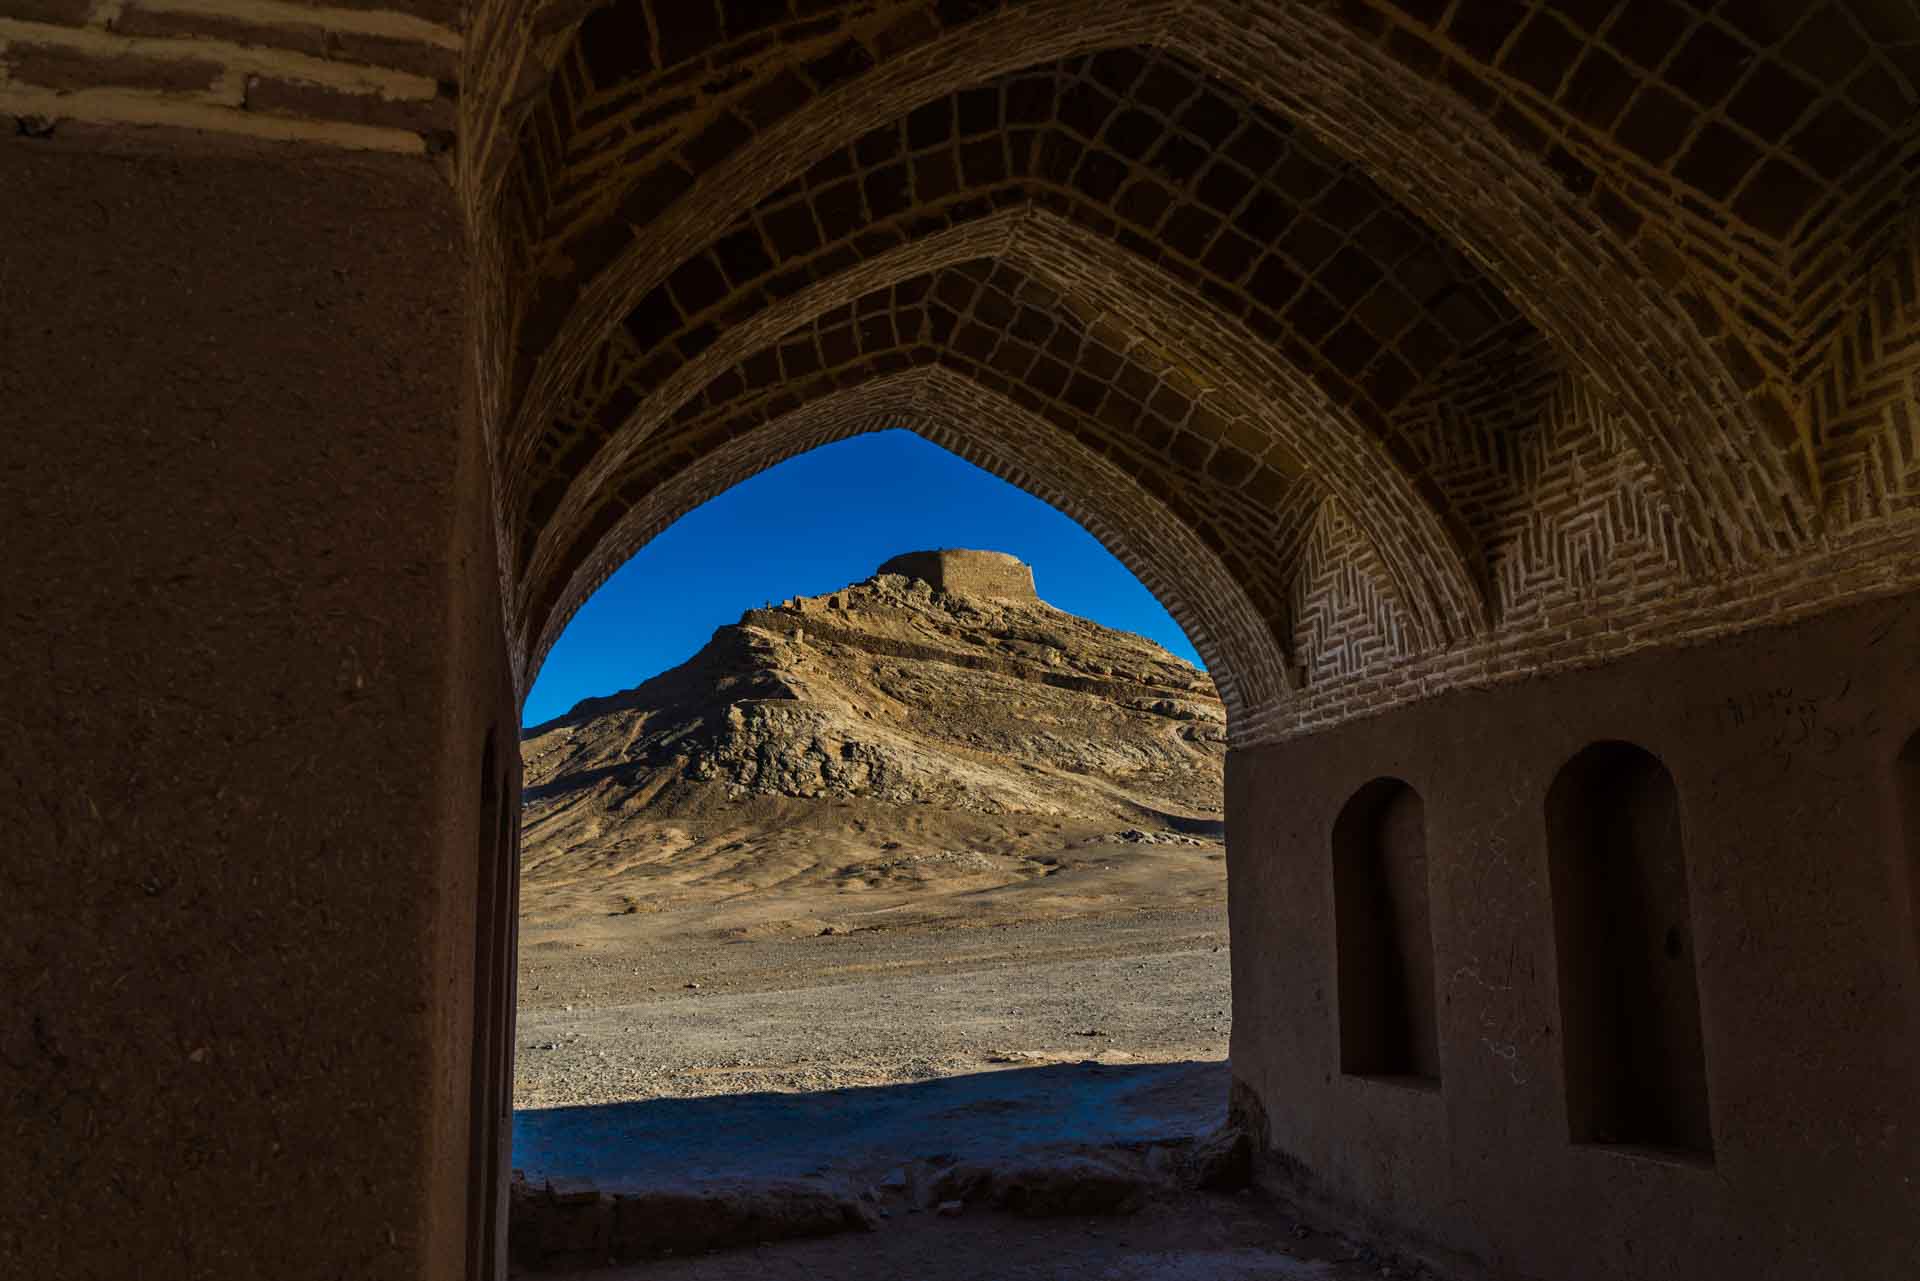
(1389, 1026)
(1636, 1071)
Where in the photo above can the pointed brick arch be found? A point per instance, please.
(1738, 471)
(1260, 411)
(1240, 514)
(1002, 329)
(1247, 662)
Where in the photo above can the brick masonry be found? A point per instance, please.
(1321, 73)
(371, 77)
(952, 319)
(1468, 341)
(1397, 344)
(1234, 639)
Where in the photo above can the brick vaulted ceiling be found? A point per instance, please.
(1400, 277)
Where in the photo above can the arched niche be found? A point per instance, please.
(1389, 1023)
(1635, 1059)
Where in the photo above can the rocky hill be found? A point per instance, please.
(937, 727)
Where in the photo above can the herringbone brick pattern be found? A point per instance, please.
(1397, 343)
(1343, 628)
(1538, 467)
(1866, 398)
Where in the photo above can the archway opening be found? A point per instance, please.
(936, 836)
(1636, 1070)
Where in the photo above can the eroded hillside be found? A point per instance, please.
(891, 736)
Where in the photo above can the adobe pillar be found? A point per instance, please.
(253, 655)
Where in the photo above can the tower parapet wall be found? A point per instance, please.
(967, 573)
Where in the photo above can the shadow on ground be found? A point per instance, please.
(1067, 1172)
(861, 1133)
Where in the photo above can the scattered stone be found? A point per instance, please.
(950, 1209)
(571, 1224)
(1222, 1161)
(1049, 1186)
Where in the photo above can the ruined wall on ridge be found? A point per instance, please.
(967, 573)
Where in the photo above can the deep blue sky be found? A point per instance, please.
(814, 523)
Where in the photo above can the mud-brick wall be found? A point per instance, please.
(1792, 755)
(967, 573)
(253, 653)
(376, 76)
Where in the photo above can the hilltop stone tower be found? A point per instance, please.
(967, 573)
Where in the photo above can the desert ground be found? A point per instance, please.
(1116, 953)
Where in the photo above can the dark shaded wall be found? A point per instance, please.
(252, 654)
(1635, 1068)
(1385, 938)
(1785, 749)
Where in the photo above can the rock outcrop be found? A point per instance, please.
(921, 719)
